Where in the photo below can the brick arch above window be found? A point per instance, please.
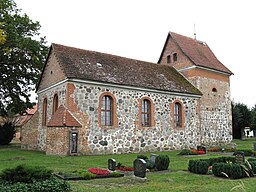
(55, 103)
(44, 111)
(177, 114)
(146, 116)
(107, 117)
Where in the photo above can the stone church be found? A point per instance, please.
(95, 103)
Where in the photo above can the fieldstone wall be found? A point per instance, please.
(216, 112)
(128, 137)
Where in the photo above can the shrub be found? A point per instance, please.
(162, 162)
(198, 166)
(187, 152)
(142, 157)
(211, 161)
(7, 132)
(51, 185)
(230, 170)
(25, 174)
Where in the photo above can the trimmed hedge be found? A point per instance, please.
(201, 166)
(228, 170)
(162, 162)
(198, 166)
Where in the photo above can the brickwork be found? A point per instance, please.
(29, 133)
(215, 106)
(52, 73)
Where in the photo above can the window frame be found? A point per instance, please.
(106, 110)
(146, 113)
(180, 117)
(177, 115)
(114, 120)
(55, 103)
(44, 112)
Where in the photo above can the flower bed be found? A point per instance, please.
(192, 152)
(124, 168)
(98, 171)
(91, 173)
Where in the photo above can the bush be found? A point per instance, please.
(221, 160)
(187, 152)
(142, 157)
(7, 132)
(162, 162)
(25, 174)
(51, 185)
(230, 170)
(198, 166)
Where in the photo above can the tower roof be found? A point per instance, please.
(198, 52)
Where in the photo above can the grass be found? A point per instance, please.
(176, 179)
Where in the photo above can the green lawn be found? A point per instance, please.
(176, 179)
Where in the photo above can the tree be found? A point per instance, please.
(241, 118)
(7, 132)
(22, 55)
(253, 114)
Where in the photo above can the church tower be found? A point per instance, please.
(195, 60)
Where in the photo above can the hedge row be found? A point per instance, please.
(201, 166)
(223, 167)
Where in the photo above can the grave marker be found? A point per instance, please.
(139, 168)
(153, 158)
(112, 164)
(240, 157)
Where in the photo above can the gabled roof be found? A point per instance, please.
(63, 118)
(198, 52)
(95, 66)
(23, 119)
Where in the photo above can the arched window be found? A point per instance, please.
(177, 115)
(107, 110)
(55, 103)
(146, 113)
(44, 115)
(168, 59)
(175, 57)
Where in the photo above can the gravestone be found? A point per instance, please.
(240, 157)
(153, 158)
(139, 168)
(112, 164)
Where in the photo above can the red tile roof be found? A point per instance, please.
(198, 52)
(63, 118)
(100, 67)
(22, 119)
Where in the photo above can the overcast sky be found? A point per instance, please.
(138, 29)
